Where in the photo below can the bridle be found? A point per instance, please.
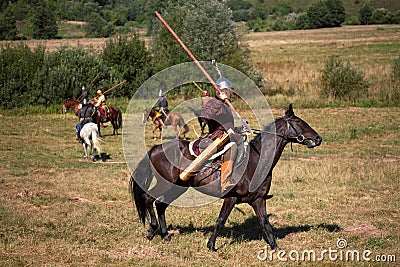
(299, 137)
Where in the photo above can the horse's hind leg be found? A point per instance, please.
(153, 230)
(84, 150)
(161, 207)
(259, 207)
(168, 197)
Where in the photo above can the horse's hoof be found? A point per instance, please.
(166, 238)
(211, 248)
(150, 235)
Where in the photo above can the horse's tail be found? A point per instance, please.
(184, 127)
(144, 173)
(119, 120)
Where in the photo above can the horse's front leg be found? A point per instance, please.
(176, 131)
(226, 209)
(154, 132)
(259, 207)
(160, 130)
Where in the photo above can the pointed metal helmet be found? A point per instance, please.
(224, 83)
(160, 94)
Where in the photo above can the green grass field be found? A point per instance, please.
(58, 209)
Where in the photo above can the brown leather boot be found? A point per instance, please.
(226, 170)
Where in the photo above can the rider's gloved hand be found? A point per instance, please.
(223, 96)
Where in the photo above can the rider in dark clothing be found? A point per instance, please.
(84, 95)
(85, 116)
(162, 103)
(220, 119)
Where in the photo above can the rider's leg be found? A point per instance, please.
(227, 166)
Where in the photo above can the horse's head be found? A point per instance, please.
(65, 106)
(146, 114)
(298, 131)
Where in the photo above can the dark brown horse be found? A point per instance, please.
(167, 160)
(70, 104)
(174, 118)
(113, 115)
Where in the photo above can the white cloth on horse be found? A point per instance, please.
(215, 155)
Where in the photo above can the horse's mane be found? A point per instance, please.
(270, 128)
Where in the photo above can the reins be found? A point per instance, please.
(299, 137)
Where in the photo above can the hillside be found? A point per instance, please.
(351, 6)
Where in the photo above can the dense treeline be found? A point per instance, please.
(36, 19)
(34, 77)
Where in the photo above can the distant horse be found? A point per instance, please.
(202, 121)
(167, 160)
(71, 104)
(174, 118)
(114, 115)
(90, 134)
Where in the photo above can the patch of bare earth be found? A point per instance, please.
(364, 229)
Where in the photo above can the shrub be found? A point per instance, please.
(129, 60)
(63, 74)
(18, 67)
(342, 81)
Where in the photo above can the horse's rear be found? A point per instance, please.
(114, 116)
(176, 120)
(90, 134)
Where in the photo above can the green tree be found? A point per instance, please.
(97, 26)
(127, 59)
(381, 16)
(318, 14)
(206, 27)
(43, 22)
(8, 26)
(337, 13)
(365, 13)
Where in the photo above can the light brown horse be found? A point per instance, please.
(71, 104)
(174, 118)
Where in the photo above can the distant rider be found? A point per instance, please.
(85, 116)
(100, 103)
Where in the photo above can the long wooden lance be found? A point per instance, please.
(115, 86)
(87, 86)
(202, 70)
(112, 88)
(92, 81)
(198, 87)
